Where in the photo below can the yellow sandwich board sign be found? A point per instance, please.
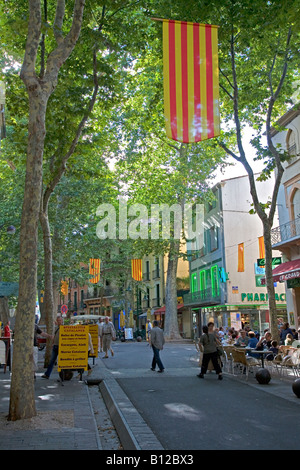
(73, 347)
(93, 330)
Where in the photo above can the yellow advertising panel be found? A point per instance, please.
(93, 330)
(73, 347)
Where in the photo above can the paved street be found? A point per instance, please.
(187, 413)
(174, 411)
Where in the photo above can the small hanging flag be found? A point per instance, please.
(261, 246)
(241, 265)
(94, 270)
(64, 287)
(136, 269)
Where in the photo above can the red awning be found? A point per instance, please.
(163, 309)
(285, 271)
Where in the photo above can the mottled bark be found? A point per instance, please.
(48, 279)
(171, 329)
(4, 310)
(22, 399)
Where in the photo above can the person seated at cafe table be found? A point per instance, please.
(264, 342)
(288, 340)
(252, 343)
(242, 340)
(284, 331)
(273, 351)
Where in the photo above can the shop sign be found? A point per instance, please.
(258, 282)
(287, 276)
(261, 297)
(259, 270)
(73, 347)
(275, 261)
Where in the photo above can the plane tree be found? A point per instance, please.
(258, 66)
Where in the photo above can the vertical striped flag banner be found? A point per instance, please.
(241, 264)
(136, 269)
(261, 246)
(191, 81)
(94, 270)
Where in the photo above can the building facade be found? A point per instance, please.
(136, 300)
(221, 290)
(286, 235)
(156, 288)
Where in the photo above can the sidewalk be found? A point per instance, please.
(64, 421)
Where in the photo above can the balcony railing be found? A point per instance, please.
(203, 297)
(106, 292)
(156, 274)
(285, 232)
(155, 303)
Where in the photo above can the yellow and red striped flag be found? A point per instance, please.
(94, 270)
(261, 246)
(136, 269)
(241, 264)
(191, 81)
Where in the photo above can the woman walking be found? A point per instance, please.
(209, 343)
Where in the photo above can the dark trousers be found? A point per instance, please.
(156, 359)
(206, 358)
(53, 358)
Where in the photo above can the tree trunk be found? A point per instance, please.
(48, 296)
(270, 283)
(4, 310)
(22, 399)
(171, 329)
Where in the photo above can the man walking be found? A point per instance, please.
(157, 342)
(100, 339)
(108, 334)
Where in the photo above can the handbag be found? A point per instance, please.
(220, 351)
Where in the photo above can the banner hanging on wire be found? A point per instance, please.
(191, 80)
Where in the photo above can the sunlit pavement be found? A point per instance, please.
(185, 412)
(173, 411)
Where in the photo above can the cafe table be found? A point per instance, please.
(261, 354)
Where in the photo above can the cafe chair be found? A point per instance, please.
(278, 363)
(292, 362)
(285, 350)
(243, 364)
(228, 363)
(289, 362)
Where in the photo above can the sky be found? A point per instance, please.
(237, 169)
